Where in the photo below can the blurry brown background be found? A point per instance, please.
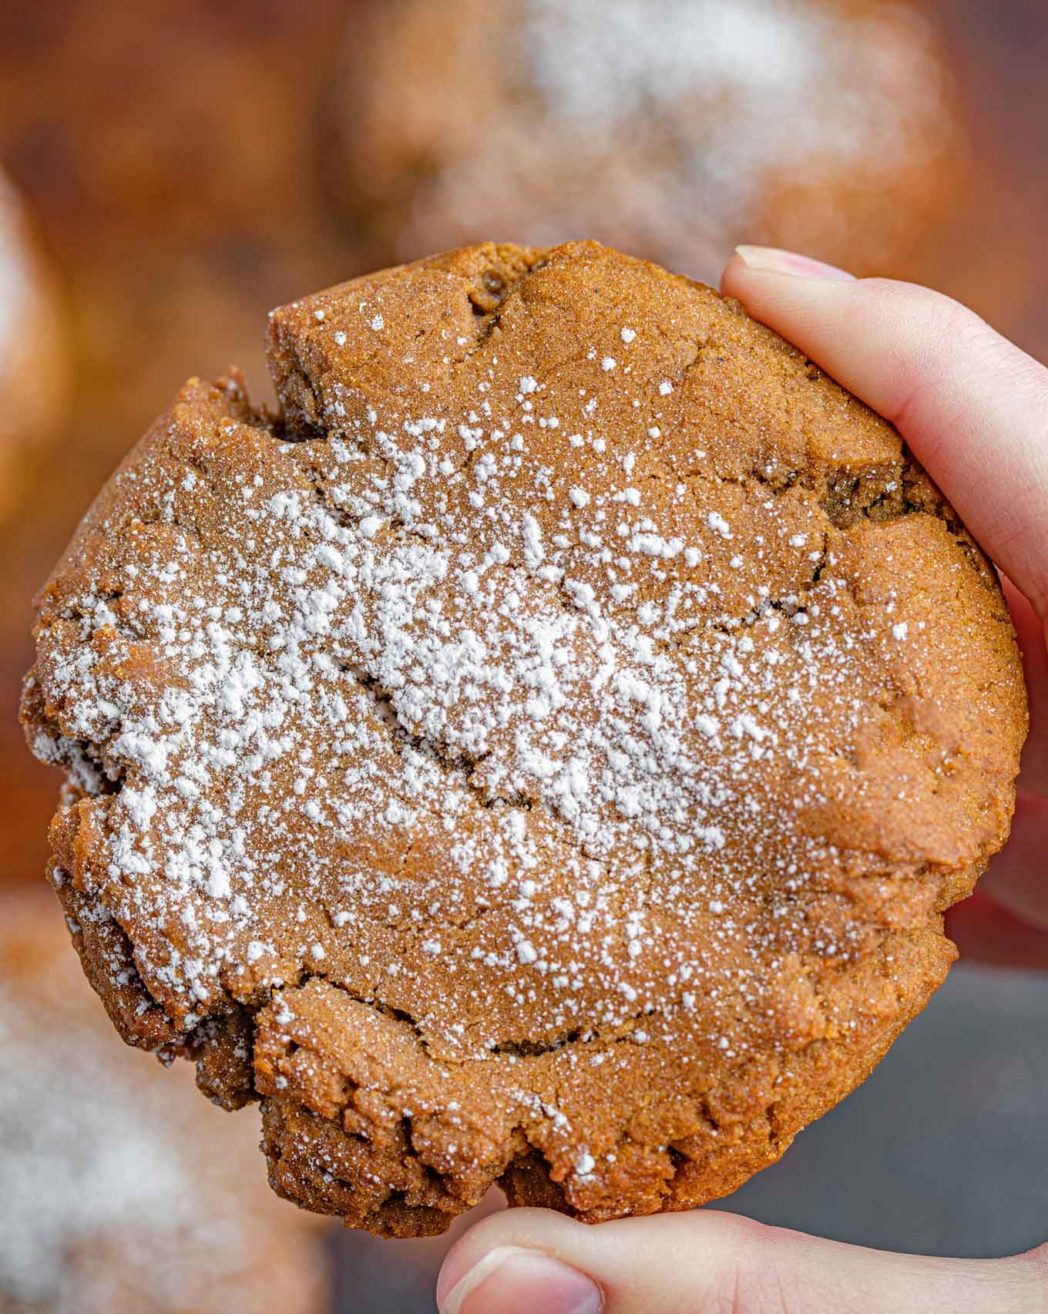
(176, 159)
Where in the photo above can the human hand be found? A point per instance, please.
(974, 410)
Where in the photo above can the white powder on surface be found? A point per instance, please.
(513, 713)
(398, 653)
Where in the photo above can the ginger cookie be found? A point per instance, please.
(538, 755)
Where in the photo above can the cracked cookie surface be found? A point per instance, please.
(540, 755)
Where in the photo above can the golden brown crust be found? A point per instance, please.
(548, 746)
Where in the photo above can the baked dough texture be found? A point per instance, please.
(539, 754)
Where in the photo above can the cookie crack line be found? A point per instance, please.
(501, 289)
(512, 722)
(679, 1151)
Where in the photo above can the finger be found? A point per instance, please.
(971, 405)
(987, 933)
(532, 1259)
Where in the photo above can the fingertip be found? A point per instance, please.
(513, 1280)
(454, 1267)
(467, 1252)
(730, 278)
(792, 294)
(529, 1260)
(513, 1229)
(759, 262)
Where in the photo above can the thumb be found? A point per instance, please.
(523, 1261)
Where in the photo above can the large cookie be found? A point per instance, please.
(539, 755)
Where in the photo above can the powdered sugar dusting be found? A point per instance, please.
(409, 637)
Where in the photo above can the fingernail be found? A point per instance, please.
(771, 260)
(509, 1280)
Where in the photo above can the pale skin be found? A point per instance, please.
(974, 410)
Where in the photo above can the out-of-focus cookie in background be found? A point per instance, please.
(122, 1189)
(34, 351)
(34, 411)
(670, 128)
(664, 127)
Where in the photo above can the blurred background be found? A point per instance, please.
(171, 169)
